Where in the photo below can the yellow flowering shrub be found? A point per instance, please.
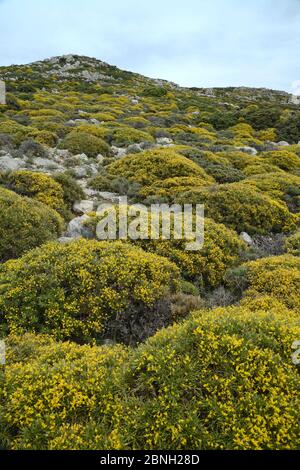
(222, 379)
(52, 389)
(82, 142)
(281, 186)
(79, 289)
(276, 276)
(243, 208)
(169, 188)
(286, 160)
(126, 135)
(25, 224)
(206, 267)
(158, 164)
(292, 244)
(39, 186)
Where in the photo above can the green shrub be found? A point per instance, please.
(32, 149)
(84, 289)
(82, 142)
(72, 191)
(52, 389)
(243, 208)
(206, 267)
(276, 276)
(287, 161)
(222, 379)
(25, 224)
(280, 186)
(125, 136)
(38, 186)
(292, 244)
(154, 165)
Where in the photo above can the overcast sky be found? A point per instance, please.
(191, 42)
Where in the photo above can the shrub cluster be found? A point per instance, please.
(220, 380)
(25, 224)
(80, 289)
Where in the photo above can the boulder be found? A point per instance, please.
(45, 163)
(83, 207)
(283, 143)
(118, 152)
(134, 148)
(77, 229)
(109, 197)
(249, 150)
(8, 163)
(246, 238)
(164, 141)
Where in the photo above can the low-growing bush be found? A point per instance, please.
(82, 142)
(222, 379)
(25, 224)
(280, 186)
(39, 186)
(154, 165)
(207, 266)
(276, 276)
(243, 208)
(292, 244)
(287, 161)
(32, 149)
(124, 136)
(85, 289)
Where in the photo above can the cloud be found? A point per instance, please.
(195, 42)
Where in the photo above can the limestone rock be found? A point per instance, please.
(83, 207)
(249, 150)
(246, 238)
(77, 229)
(8, 163)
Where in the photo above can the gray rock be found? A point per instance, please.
(94, 121)
(246, 238)
(283, 143)
(164, 141)
(77, 229)
(249, 150)
(99, 158)
(83, 207)
(80, 171)
(82, 157)
(45, 163)
(118, 152)
(109, 197)
(8, 163)
(134, 148)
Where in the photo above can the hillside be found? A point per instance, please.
(141, 344)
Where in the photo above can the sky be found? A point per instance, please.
(202, 43)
